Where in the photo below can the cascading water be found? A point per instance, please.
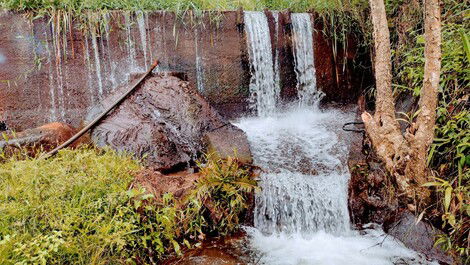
(97, 62)
(304, 189)
(263, 89)
(199, 63)
(301, 214)
(302, 38)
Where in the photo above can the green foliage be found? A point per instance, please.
(77, 209)
(455, 73)
(224, 190)
(449, 155)
(62, 210)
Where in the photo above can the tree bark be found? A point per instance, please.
(421, 134)
(404, 156)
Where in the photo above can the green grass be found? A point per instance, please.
(77, 208)
(172, 5)
(63, 209)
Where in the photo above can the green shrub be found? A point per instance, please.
(77, 208)
(225, 190)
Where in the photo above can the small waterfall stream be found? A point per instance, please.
(302, 38)
(263, 89)
(301, 214)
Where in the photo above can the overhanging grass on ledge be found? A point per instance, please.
(173, 5)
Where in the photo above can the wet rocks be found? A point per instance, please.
(417, 235)
(372, 199)
(228, 141)
(163, 122)
(47, 137)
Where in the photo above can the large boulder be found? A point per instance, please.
(164, 122)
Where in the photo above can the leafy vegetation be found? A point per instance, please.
(449, 156)
(77, 208)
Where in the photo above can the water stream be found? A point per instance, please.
(302, 38)
(263, 89)
(301, 214)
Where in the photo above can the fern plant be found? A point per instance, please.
(224, 191)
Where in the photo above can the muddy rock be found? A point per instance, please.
(163, 122)
(229, 141)
(47, 137)
(417, 235)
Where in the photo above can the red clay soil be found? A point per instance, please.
(156, 183)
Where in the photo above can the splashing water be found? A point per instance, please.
(263, 90)
(301, 214)
(304, 189)
(303, 58)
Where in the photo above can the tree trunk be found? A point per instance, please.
(404, 156)
(421, 134)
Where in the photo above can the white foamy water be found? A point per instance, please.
(263, 89)
(372, 247)
(304, 188)
(301, 214)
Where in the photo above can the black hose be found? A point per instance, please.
(358, 130)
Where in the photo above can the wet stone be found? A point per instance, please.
(163, 122)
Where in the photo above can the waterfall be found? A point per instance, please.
(59, 74)
(304, 189)
(302, 38)
(130, 45)
(53, 115)
(301, 214)
(263, 89)
(112, 64)
(277, 73)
